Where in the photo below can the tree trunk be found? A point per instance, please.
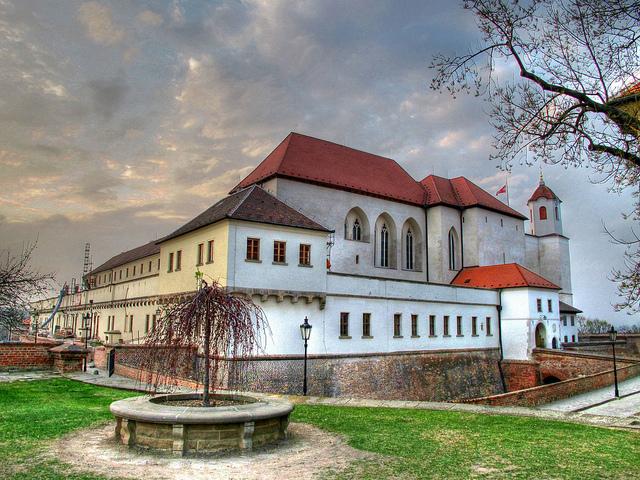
(207, 362)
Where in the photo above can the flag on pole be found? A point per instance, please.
(502, 190)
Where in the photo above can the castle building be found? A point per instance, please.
(394, 274)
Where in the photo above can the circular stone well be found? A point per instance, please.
(147, 422)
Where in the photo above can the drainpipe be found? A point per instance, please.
(499, 308)
(461, 242)
(426, 243)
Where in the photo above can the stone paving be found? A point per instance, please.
(26, 375)
(593, 402)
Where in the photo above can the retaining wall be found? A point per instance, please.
(25, 356)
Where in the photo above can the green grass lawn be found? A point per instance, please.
(412, 443)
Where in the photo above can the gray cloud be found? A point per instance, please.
(125, 120)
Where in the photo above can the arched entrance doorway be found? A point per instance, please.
(541, 334)
(554, 343)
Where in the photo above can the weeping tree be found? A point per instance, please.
(220, 327)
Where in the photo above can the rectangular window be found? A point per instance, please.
(131, 323)
(149, 267)
(474, 326)
(253, 249)
(432, 325)
(397, 325)
(549, 305)
(134, 270)
(210, 251)
(305, 254)
(178, 260)
(146, 324)
(279, 252)
(459, 326)
(366, 325)
(158, 264)
(573, 321)
(344, 324)
(488, 320)
(127, 273)
(153, 322)
(170, 263)
(141, 268)
(445, 325)
(200, 254)
(539, 304)
(565, 339)
(120, 278)
(414, 325)
(564, 320)
(573, 338)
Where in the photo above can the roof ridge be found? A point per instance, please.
(248, 190)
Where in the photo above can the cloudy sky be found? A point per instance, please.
(121, 120)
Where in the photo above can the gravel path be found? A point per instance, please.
(308, 453)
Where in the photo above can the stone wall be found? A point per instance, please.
(25, 356)
(631, 348)
(433, 376)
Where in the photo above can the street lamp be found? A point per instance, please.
(613, 335)
(305, 332)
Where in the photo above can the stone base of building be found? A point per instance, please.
(521, 374)
(428, 376)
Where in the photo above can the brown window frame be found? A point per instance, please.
(539, 305)
(414, 326)
(279, 251)
(459, 326)
(253, 249)
(200, 254)
(304, 257)
(178, 260)
(170, 262)
(366, 325)
(210, 251)
(488, 324)
(397, 325)
(474, 326)
(344, 325)
(445, 326)
(549, 305)
(432, 325)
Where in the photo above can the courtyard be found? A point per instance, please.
(59, 428)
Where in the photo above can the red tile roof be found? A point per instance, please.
(461, 192)
(510, 275)
(325, 163)
(252, 204)
(543, 192)
(632, 90)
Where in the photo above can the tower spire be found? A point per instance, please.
(541, 176)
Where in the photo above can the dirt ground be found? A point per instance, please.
(308, 453)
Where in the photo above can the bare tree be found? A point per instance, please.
(577, 67)
(214, 325)
(20, 283)
(592, 325)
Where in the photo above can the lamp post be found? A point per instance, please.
(88, 321)
(305, 332)
(613, 335)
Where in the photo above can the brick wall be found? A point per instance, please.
(434, 376)
(631, 348)
(24, 356)
(532, 397)
(519, 374)
(566, 365)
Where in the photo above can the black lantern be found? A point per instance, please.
(305, 332)
(613, 335)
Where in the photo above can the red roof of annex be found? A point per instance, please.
(509, 275)
(325, 163)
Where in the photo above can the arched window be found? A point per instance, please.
(543, 213)
(384, 246)
(408, 240)
(557, 216)
(452, 249)
(356, 233)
